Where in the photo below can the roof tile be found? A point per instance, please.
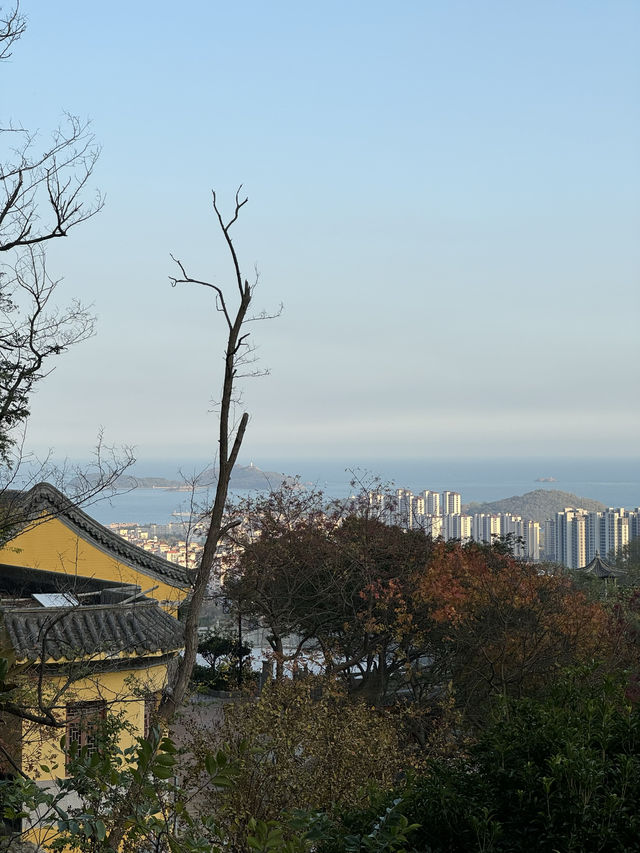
(71, 633)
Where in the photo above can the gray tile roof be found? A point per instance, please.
(46, 498)
(74, 633)
(599, 569)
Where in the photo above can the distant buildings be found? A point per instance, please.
(164, 540)
(451, 503)
(573, 537)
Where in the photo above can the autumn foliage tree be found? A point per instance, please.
(396, 616)
(283, 548)
(502, 626)
(335, 580)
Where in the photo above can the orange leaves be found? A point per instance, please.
(506, 626)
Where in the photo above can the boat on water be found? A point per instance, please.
(545, 480)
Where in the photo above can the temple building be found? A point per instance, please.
(88, 626)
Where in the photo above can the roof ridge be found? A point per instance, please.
(76, 607)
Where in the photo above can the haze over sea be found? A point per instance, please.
(614, 482)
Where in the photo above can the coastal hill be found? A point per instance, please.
(243, 477)
(537, 505)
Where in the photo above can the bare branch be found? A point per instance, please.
(42, 193)
(186, 279)
(32, 333)
(12, 27)
(225, 230)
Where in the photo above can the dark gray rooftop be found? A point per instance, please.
(74, 633)
(599, 569)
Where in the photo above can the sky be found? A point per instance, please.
(444, 196)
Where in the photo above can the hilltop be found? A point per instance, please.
(246, 477)
(537, 505)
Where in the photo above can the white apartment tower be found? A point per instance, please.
(404, 508)
(433, 526)
(431, 502)
(571, 537)
(456, 526)
(450, 503)
(486, 528)
(607, 532)
(531, 535)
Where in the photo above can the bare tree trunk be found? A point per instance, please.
(278, 649)
(229, 447)
(230, 441)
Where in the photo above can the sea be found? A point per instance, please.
(614, 482)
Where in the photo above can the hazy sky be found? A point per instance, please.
(445, 196)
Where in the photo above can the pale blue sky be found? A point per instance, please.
(444, 195)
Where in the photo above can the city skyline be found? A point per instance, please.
(444, 197)
(573, 536)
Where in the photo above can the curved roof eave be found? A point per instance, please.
(44, 497)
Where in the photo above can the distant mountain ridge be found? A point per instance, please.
(538, 505)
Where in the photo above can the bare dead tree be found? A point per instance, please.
(234, 308)
(238, 353)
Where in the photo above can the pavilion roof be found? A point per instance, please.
(597, 568)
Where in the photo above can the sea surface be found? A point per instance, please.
(614, 482)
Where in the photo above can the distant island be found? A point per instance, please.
(244, 477)
(538, 505)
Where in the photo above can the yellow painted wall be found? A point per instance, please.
(52, 546)
(118, 689)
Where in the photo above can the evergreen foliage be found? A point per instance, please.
(555, 774)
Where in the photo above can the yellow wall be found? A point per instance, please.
(118, 689)
(52, 546)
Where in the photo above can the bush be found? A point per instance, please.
(301, 745)
(559, 774)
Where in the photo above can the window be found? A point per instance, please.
(83, 720)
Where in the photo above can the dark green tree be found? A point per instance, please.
(561, 773)
(228, 662)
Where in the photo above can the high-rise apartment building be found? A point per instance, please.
(456, 526)
(486, 528)
(450, 503)
(431, 502)
(530, 533)
(404, 508)
(571, 537)
(634, 523)
(433, 526)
